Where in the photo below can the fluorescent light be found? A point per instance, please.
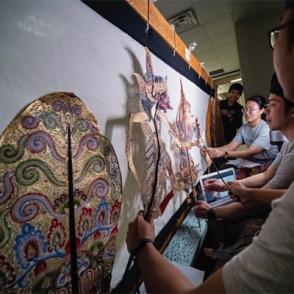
(236, 80)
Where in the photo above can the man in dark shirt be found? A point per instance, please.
(232, 112)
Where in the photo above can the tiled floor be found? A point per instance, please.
(181, 248)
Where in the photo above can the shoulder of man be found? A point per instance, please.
(223, 102)
(238, 105)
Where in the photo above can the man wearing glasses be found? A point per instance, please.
(267, 265)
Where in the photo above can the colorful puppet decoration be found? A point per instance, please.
(187, 132)
(60, 200)
(154, 102)
(217, 129)
(184, 133)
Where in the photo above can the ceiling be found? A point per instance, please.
(213, 29)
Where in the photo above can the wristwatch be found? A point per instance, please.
(226, 155)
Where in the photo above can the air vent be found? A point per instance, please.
(184, 21)
(216, 72)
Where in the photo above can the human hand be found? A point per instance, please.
(201, 209)
(203, 151)
(139, 229)
(215, 153)
(214, 185)
(239, 190)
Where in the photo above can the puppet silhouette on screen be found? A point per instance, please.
(154, 102)
(187, 131)
(154, 105)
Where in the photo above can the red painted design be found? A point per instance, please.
(56, 235)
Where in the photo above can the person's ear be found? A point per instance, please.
(290, 113)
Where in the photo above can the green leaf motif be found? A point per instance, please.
(5, 233)
(97, 164)
(10, 154)
(27, 174)
(51, 121)
(80, 124)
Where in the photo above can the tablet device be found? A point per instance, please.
(215, 198)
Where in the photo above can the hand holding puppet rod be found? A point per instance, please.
(203, 145)
(148, 211)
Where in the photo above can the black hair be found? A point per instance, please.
(260, 100)
(289, 4)
(236, 86)
(277, 89)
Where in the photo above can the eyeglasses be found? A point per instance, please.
(273, 34)
(250, 110)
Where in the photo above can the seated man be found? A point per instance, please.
(267, 265)
(276, 178)
(255, 202)
(255, 134)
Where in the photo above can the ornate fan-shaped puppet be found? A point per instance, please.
(60, 200)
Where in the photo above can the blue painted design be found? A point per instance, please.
(30, 250)
(29, 246)
(65, 277)
(101, 221)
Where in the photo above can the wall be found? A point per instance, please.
(49, 46)
(255, 54)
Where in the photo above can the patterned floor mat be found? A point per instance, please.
(183, 245)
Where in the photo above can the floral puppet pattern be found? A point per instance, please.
(154, 103)
(188, 133)
(34, 200)
(153, 100)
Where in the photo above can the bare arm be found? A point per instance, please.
(232, 210)
(214, 284)
(159, 275)
(237, 210)
(233, 145)
(252, 150)
(261, 196)
(220, 151)
(259, 180)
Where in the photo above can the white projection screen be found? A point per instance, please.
(51, 46)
